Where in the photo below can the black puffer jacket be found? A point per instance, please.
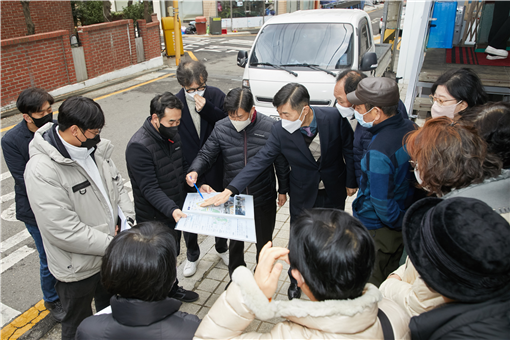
(236, 149)
(136, 319)
(485, 320)
(156, 169)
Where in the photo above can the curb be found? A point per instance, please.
(40, 329)
(14, 111)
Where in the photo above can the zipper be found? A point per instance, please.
(245, 153)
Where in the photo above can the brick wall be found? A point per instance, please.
(151, 40)
(281, 7)
(108, 46)
(43, 60)
(210, 9)
(47, 16)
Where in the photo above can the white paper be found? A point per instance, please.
(123, 220)
(233, 220)
(107, 310)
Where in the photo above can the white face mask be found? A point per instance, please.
(346, 112)
(292, 126)
(241, 124)
(440, 111)
(417, 175)
(192, 94)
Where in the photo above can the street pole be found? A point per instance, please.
(177, 34)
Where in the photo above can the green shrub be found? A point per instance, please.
(135, 11)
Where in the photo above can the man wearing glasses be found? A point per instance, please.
(79, 201)
(35, 105)
(202, 108)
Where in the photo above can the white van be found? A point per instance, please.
(310, 47)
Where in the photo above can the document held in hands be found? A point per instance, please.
(234, 219)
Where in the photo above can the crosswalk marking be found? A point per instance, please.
(7, 197)
(5, 175)
(13, 258)
(7, 314)
(14, 240)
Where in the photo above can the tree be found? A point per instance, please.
(107, 10)
(147, 11)
(28, 17)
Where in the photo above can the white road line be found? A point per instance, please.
(7, 197)
(238, 42)
(7, 314)
(13, 258)
(5, 175)
(14, 240)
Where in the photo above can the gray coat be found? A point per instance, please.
(73, 216)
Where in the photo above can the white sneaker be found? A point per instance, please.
(496, 51)
(494, 57)
(190, 268)
(224, 257)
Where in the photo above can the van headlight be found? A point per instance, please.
(246, 83)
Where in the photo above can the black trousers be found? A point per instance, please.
(500, 29)
(193, 250)
(265, 217)
(321, 201)
(76, 298)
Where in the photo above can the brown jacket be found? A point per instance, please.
(243, 301)
(411, 294)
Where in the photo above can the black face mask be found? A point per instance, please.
(89, 142)
(39, 122)
(168, 132)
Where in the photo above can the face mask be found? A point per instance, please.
(292, 126)
(439, 111)
(346, 112)
(359, 118)
(192, 94)
(168, 132)
(89, 142)
(240, 125)
(39, 122)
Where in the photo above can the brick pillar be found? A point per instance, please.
(154, 17)
(131, 37)
(282, 7)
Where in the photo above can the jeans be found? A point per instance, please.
(47, 279)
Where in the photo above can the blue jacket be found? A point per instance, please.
(386, 186)
(362, 138)
(335, 135)
(191, 143)
(15, 147)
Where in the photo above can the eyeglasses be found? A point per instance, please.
(95, 132)
(200, 88)
(439, 100)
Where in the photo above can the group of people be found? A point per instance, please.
(452, 246)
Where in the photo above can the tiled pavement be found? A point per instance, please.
(212, 276)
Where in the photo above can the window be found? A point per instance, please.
(364, 38)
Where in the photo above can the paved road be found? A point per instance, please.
(125, 112)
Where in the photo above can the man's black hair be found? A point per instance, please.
(82, 112)
(293, 93)
(190, 72)
(164, 101)
(238, 98)
(140, 263)
(32, 99)
(334, 253)
(352, 79)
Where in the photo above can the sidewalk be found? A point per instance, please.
(212, 276)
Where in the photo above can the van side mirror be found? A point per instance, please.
(242, 58)
(368, 62)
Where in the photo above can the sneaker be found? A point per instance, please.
(224, 257)
(496, 51)
(56, 310)
(190, 268)
(185, 295)
(495, 57)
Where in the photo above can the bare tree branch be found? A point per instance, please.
(28, 18)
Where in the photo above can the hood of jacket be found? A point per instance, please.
(46, 141)
(331, 316)
(134, 312)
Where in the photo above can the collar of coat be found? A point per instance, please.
(313, 314)
(134, 312)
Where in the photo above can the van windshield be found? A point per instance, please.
(328, 46)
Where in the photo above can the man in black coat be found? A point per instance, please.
(315, 142)
(202, 108)
(238, 138)
(157, 168)
(35, 105)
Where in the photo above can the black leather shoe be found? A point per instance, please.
(294, 291)
(184, 295)
(56, 310)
